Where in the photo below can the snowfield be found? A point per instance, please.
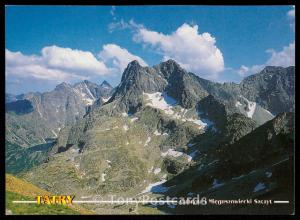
(161, 101)
(252, 107)
(166, 103)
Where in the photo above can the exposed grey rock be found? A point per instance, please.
(44, 114)
(273, 88)
(189, 89)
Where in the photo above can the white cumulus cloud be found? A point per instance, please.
(291, 17)
(284, 58)
(73, 60)
(32, 66)
(59, 64)
(195, 52)
(119, 57)
(245, 70)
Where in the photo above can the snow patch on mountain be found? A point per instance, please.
(216, 184)
(147, 141)
(166, 103)
(189, 158)
(105, 99)
(238, 177)
(259, 187)
(193, 154)
(85, 94)
(213, 162)
(89, 92)
(161, 101)
(125, 127)
(172, 153)
(156, 171)
(124, 114)
(190, 144)
(197, 122)
(156, 187)
(268, 174)
(269, 112)
(150, 171)
(156, 133)
(251, 106)
(103, 177)
(133, 119)
(237, 104)
(54, 133)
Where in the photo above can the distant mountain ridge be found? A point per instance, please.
(51, 110)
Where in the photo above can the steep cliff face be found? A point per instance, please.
(273, 88)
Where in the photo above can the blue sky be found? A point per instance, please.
(46, 45)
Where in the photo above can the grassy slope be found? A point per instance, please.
(126, 173)
(17, 189)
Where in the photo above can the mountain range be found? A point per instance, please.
(162, 131)
(33, 118)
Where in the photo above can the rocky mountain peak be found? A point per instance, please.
(133, 63)
(82, 83)
(170, 63)
(131, 70)
(170, 67)
(86, 81)
(62, 86)
(270, 69)
(105, 84)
